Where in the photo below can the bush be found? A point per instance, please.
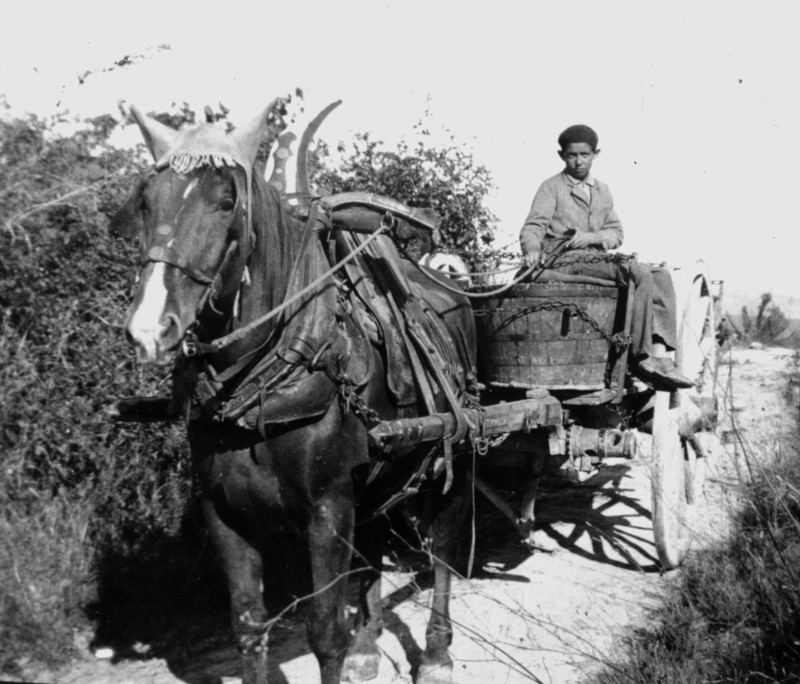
(74, 487)
(443, 178)
(734, 613)
(769, 326)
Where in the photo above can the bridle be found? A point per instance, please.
(160, 251)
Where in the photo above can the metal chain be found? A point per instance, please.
(352, 400)
(618, 340)
(592, 257)
(482, 445)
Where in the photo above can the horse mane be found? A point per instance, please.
(276, 239)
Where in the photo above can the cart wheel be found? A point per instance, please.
(672, 512)
(684, 421)
(701, 456)
(697, 358)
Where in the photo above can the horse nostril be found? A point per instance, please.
(171, 329)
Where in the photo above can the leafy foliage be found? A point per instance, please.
(769, 324)
(67, 473)
(444, 178)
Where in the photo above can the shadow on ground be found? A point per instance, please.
(171, 601)
(605, 520)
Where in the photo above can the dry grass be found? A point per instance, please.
(733, 615)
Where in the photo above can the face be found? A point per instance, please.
(578, 158)
(185, 224)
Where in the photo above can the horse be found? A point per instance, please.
(278, 372)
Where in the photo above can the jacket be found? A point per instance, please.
(559, 207)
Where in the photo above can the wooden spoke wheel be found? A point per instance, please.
(671, 472)
(684, 422)
(697, 357)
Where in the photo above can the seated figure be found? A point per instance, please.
(575, 208)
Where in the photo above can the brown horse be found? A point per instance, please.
(221, 249)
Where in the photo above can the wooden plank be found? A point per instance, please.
(550, 376)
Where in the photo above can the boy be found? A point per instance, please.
(576, 207)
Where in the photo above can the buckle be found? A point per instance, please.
(189, 348)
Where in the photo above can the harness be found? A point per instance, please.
(294, 360)
(293, 366)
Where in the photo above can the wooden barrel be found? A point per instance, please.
(551, 334)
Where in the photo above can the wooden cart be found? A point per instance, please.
(556, 388)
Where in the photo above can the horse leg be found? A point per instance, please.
(243, 569)
(363, 658)
(527, 518)
(330, 537)
(436, 666)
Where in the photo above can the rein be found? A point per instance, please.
(193, 348)
(538, 268)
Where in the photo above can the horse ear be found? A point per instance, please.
(127, 222)
(248, 137)
(158, 137)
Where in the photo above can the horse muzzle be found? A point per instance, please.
(152, 327)
(156, 344)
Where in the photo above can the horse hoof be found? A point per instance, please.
(528, 542)
(435, 673)
(361, 667)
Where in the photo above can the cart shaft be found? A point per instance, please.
(524, 415)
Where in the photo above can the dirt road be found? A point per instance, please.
(550, 616)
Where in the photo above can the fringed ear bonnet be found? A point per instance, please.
(206, 144)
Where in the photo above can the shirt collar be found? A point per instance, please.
(589, 180)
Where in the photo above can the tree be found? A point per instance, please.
(442, 177)
(770, 323)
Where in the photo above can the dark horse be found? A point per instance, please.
(221, 249)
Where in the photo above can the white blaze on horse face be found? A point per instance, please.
(147, 321)
(192, 185)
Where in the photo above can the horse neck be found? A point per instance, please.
(277, 240)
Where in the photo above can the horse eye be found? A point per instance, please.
(227, 204)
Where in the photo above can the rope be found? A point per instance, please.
(474, 274)
(542, 266)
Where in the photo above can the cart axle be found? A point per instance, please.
(597, 445)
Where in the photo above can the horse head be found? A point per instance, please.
(194, 218)
(191, 217)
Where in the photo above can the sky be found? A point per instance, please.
(696, 103)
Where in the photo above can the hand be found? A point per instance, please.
(532, 257)
(607, 244)
(581, 240)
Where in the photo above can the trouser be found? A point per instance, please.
(654, 311)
